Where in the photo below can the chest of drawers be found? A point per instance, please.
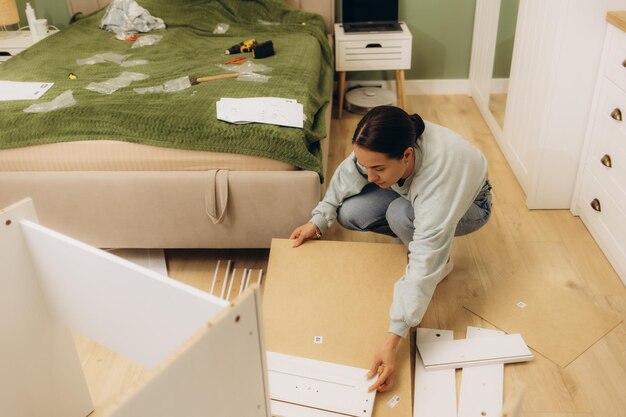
(601, 187)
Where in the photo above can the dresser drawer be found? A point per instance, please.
(607, 155)
(607, 226)
(616, 58)
(374, 55)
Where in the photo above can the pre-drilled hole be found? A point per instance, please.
(237, 319)
(8, 222)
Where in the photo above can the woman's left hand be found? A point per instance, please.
(385, 364)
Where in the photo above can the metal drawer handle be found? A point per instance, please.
(595, 204)
(616, 114)
(606, 161)
(374, 45)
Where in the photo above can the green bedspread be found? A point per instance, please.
(302, 70)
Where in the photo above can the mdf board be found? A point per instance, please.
(39, 363)
(435, 390)
(330, 301)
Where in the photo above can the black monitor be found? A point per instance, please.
(370, 15)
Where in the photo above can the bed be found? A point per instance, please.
(130, 170)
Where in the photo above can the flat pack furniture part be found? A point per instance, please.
(481, 386)
(319, 385)
(51, 283)
(463, 353)
(556, 322)
(435, 390)
(234, 282)
(329, 301)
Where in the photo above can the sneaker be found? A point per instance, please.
(448, 267)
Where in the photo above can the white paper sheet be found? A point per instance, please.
(16, 90)
(269, 110)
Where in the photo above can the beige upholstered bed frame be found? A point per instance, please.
(174, 209)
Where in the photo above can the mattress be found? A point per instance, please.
(109, 155)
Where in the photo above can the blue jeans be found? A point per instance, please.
(384, 211)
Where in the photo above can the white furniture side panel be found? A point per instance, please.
(320, 385)
(40, 367)
(435, 390)
(221, 372)
(130, 309)
(462, 353)
(481, 386)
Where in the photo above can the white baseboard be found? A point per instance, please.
(421, 87)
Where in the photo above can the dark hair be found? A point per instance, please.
(389, 130)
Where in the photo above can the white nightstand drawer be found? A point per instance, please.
(616, 58)
(607, 225)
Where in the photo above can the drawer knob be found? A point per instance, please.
(616, 114)
(624, 63)
(595, 204)
(606, 161)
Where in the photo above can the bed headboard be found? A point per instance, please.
(326, 8)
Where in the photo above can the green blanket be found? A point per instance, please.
(301, 70)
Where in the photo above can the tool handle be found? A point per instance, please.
(217, 77)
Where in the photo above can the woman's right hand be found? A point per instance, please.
(305, 232)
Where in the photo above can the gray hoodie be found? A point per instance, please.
(449, 173)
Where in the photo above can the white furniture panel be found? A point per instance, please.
(435, 390)
(319, 385)
(481, 386)
(219, 369)
(600, 198)
(100, 291)
(41, 372)
(463, 353)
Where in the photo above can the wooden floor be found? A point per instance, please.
(553, 244)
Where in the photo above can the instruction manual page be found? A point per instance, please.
(269, 110)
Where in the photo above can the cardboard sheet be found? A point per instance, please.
(554, 321)
(330, 301)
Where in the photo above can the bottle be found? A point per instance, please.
(30, 16)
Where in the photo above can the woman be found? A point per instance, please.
(415, 180)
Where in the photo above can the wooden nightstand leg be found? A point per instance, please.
(400, 88)
(342, 90)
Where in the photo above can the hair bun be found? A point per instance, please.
(418, 124)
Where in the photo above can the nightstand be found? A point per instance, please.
(14, 42)
(369, 51)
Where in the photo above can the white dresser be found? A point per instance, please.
(600, 197)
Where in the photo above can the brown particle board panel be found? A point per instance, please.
(342, 292)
